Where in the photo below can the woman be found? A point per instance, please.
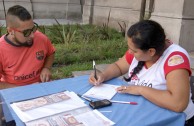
(158, 69)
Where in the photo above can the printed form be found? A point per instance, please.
(103, 91)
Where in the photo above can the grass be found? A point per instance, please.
(62, 71)
(78, 45)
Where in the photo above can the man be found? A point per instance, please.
(26, 55)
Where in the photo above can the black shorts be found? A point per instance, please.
(190, 122)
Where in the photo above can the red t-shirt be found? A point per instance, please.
(22, 65)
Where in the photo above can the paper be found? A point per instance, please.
(60, 109)
(42, 101)
(103, 91)
(30, 110)
(81, 117)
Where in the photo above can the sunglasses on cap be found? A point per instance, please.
(27, 32)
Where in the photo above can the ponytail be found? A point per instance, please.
(135, 71)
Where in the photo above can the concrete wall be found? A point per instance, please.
(9, 3)
(57, 9)
(187, 28)
(177, 18)
(97, 12)
(66, 9)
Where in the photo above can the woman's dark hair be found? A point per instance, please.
(146, 34)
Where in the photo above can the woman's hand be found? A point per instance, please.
(100, 78)
(132, 89)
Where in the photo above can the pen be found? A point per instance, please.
(124, 102)
(105, 111)
(84, 97)
(94, 67)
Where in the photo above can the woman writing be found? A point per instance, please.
(158, 69)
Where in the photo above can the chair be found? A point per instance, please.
(192, 87)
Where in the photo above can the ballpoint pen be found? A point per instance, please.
(94, 67)
(86, 98)
(124, 102)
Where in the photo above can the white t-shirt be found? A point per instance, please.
(174, 57)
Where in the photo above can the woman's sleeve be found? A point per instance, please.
(129, 57)
(177, 60)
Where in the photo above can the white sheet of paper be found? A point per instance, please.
(51, 109)
(94, 118)
(103, 91)
(84, 118)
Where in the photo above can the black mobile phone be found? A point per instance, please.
(100, 103)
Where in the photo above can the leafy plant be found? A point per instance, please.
(123, 28)
(1, 30)
(68, 34)
(42, 28)
(84, 46)
(88, 33)
(105, 29)
(63, 34)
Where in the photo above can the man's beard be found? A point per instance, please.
(25, 44)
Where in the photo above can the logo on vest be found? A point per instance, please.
(175, 60)
(24, 77)
(40, 55)
(141, 83)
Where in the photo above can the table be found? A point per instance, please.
(143, 114)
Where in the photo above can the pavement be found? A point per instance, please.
(51, 21)
(100, 67)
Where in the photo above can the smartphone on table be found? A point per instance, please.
(100, 103)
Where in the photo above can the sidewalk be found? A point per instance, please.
(100, 67)
(50, 21)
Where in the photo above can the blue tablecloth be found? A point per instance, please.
(143, 114)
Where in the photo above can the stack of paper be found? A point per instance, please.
(86, 118)
(103, 91)
(60, 109)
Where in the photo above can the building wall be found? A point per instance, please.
(57, 9)
(97, 12)
(44, 9)
(8, 3)
(176, 16)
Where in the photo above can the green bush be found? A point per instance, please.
(78, 45)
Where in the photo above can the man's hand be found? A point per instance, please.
(45, 75)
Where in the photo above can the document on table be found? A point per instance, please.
(81, 117)
(42, 101)
(103, 91)
(41, 107)
(61, 109)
